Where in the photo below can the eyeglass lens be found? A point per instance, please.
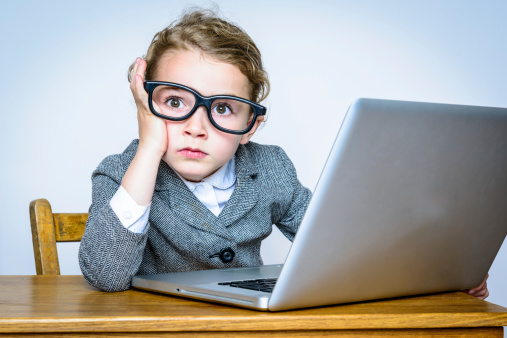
(176, 102)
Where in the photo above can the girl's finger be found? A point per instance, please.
(138, 83)
(140, 69)
(133, 73)
(482, 295)
(481, 286)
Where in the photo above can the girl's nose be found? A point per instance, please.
(197, 124)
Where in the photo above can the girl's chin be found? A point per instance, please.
(193, 175)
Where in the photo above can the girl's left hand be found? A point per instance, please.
(480, 291)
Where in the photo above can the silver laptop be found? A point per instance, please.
(412, 200)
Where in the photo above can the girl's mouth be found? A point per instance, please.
(192, 153)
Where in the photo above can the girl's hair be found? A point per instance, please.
(204, 31)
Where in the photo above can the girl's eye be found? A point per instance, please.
(222, 109)
(175, 103)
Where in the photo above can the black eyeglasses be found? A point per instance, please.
(175, 102)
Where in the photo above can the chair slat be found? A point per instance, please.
(69, 227)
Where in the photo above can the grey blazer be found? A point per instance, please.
(182, 234)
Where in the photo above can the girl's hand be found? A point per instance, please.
(152, 129)
(480, 291)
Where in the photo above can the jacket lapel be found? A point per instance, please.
(184, 204)
(245, 194)
(188, 207)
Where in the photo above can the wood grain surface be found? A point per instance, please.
(67, 304)
(70, 227)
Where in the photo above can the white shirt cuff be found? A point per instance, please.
(134, 217)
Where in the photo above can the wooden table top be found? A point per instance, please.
(69, 304)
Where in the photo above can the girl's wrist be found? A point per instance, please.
(139, 179)
(150, 152)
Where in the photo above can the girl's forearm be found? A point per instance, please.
(139, 180)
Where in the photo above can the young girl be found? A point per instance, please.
(193, 192)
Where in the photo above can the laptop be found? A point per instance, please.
(412, 200)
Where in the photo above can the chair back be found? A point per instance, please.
(48, 229)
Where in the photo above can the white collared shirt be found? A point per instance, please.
(213, 191)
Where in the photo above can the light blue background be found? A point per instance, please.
(65, 102)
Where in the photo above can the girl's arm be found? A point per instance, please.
(139, 180)
(110, 254)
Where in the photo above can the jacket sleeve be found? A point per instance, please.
(109, 254)
(299, 198)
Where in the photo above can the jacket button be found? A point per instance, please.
(226, 255)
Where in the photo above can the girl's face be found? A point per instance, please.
(196, 149)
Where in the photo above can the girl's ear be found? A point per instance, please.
(246, 137)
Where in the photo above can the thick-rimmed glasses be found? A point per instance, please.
(175, 102)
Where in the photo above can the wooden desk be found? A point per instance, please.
(68, 306)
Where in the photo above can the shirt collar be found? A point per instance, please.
(223, 178)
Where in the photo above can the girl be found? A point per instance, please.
(193, 192)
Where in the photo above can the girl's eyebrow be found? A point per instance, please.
(174, 89)
(225, 94)
(229, 94)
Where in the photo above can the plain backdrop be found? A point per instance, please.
(65, 101)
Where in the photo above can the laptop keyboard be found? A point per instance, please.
(261, 284)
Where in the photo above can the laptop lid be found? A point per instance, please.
(411, 200)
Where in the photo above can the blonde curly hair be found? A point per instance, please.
(204, 31)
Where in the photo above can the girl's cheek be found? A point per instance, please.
(171, 126)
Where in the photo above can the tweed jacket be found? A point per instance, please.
(182, 234)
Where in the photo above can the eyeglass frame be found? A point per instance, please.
(206, 101)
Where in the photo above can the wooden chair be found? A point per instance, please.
(49, 228)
